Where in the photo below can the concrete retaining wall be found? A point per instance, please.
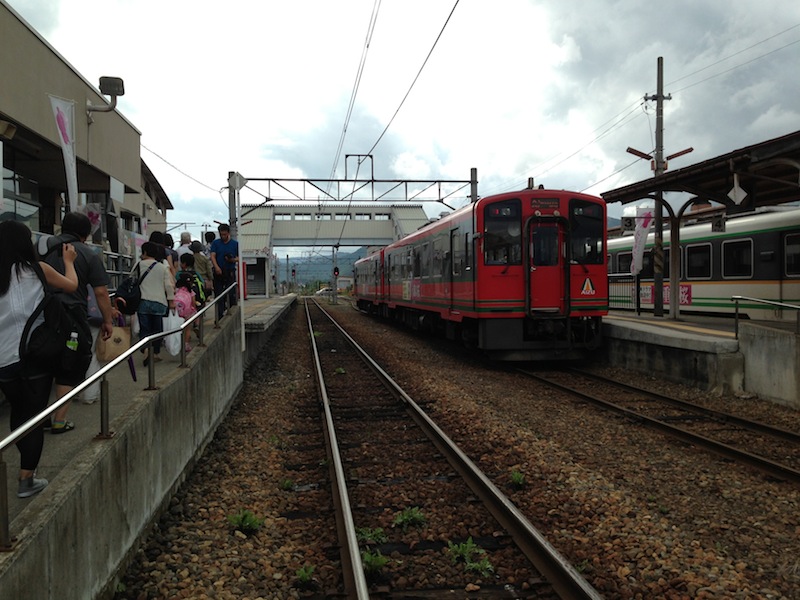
(710, 364)
(79, 534)
(771, 363)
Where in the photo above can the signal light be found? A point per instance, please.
(293, 272)
(335, 271)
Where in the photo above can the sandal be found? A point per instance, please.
(61, 427)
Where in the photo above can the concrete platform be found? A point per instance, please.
(704, 352)
(104, 492)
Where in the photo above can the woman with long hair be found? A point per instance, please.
(25, 386)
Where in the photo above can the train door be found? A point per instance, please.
(456, 258)
(546, 274)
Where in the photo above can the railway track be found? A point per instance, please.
(771, 450)
(415, 516)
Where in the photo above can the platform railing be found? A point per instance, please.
(105, 431)
(623, 292)
(737, 299)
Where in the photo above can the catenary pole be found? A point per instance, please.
(659, 168)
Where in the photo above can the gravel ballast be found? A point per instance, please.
(640, 514)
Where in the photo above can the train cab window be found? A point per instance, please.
(792, 254)
(502, 239)
(737, 259)
(586, 232)
(698, 261)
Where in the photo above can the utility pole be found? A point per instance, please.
(659, 168)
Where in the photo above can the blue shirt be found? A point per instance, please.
(221, 249)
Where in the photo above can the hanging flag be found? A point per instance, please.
(64, 113)
(644, 218)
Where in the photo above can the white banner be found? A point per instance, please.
(644, 218)
(64, 113)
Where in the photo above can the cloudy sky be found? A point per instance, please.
(550, 89)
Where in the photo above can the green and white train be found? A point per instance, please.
(758, 256)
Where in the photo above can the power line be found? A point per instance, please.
(165, 161)
(380, 137)
(370, 30)
(721, 60)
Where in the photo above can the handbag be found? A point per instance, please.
(173, 342)
(129, 292)
(114, 346)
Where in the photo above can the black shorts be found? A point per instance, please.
(74, 373)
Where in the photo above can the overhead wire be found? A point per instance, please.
(359, 73)
(619, 123)
(411, 87)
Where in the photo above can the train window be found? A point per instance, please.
(698, 261)
(586, 232)
(457, 252)
(425, 261)
(544, 245)
(502, 239)
(792, 253)
(624, 260)
(737, 259)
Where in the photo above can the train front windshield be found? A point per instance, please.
(503, 234)
(586, 232)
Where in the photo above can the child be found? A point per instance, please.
(189, 293)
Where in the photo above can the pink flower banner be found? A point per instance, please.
(64, 113)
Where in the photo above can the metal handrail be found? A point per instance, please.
(105, 433)
(736, 300)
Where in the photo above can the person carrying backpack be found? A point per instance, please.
(26, 386)
(76, 229)
(190, 293)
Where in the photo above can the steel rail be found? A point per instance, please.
(559, 572)
(778, 470)
(353, 570)
(756, 426)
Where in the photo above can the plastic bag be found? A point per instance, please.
(173, 342)
(134, 326)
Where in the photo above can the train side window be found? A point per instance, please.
(737, 259)
(792, 254)
(698, 261)
(457, 252)
(624, 260)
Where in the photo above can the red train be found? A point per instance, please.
(520, 275)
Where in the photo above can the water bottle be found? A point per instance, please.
(72, 342)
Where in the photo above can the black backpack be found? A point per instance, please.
(46, 345)
(128, 295)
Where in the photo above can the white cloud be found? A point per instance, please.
(516, 88)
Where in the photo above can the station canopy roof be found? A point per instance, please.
(768, 172)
